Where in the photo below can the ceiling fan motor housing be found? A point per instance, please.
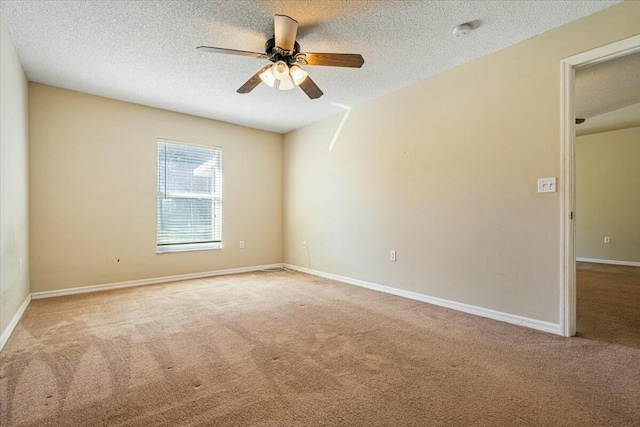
(276, 54)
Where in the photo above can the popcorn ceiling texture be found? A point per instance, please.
(144, 52)
(608, 86)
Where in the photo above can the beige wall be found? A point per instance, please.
(608, 195)
(444, 172)
(93, 191)
(14, 199)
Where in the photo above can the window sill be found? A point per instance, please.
(188, 247)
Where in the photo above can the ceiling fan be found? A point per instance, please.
(284, 52)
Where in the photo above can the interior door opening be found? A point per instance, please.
(599, 57)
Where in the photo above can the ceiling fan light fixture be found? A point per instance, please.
(298, 74)
(286, 84)
(280, 70)
(285, 56)
(268, 78)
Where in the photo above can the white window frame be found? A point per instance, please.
(215, 198)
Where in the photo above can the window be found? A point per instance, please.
(189, 213)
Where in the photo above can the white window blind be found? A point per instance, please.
(189, 214)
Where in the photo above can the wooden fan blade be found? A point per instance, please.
(580, 121)
(311, 88)
(231, 51)
(253, 81)
(354, 60)
(285, 31)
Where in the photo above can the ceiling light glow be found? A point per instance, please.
(285, 83)
(267, 77)
(298, 74)
(280, 70)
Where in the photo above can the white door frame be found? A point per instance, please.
(567, 171)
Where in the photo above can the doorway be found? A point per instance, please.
(568, 273)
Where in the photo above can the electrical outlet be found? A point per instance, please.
(241, 244)
(304, 245)
(607, 239)
(20, 266)
(392, 256)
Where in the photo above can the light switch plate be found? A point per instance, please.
(547, 185)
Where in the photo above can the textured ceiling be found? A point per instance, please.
(144, 52)
(607, 86)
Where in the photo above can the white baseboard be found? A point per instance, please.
(14, 322)
(153, 281)
(466, 308)
(609, 261)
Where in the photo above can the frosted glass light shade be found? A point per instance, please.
(298, 74)
(286, 84)
(268, 78)
(280, 70)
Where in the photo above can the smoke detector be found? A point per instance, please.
(462, 30)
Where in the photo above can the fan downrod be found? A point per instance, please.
(276, 54)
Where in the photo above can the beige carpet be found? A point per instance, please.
(608, 303)
(288, 349)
